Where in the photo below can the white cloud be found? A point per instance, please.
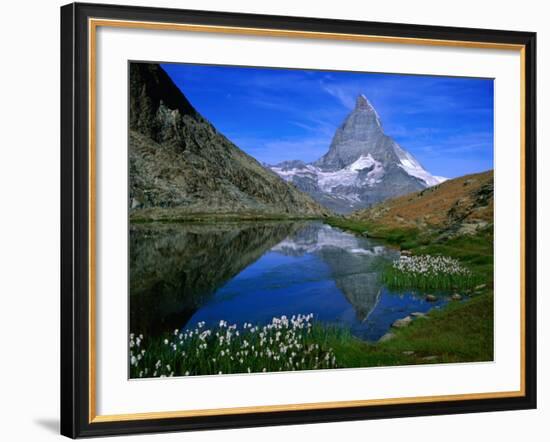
(344, 94)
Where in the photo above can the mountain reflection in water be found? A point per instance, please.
(253, 271)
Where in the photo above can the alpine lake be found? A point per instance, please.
(243, 272)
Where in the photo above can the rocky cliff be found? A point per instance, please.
(179, 164)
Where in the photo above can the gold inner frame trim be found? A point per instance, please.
(298, 407)
(93, 24)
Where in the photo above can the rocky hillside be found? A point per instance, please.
(458, 206)
(363, 166)
(179, 164)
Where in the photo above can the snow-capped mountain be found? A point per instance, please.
(363, 166)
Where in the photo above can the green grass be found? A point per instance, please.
(399, 280)
(284, 345)
(475, 252)
(395, 237)
(460, 332)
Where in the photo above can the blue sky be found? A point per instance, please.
(277, 114)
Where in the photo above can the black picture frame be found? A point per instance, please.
(75, 220)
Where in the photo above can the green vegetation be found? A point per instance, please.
(393, 236)
(474, 252)
(460, 332)
(427, 272)
(286, 344)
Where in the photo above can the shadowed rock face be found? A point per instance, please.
(179, 163)
(363, 166)
(176, 269)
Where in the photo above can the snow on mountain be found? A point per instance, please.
(410, 165)
(365, 171)
(363, 166)
(349, 175)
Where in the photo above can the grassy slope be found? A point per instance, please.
(458, 203)
(463, 331)
(475, 251)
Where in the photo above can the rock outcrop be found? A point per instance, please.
(180, 164)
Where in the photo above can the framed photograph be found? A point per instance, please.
(274, 220)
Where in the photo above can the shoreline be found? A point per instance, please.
(168, 216)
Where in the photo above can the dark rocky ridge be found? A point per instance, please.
(179, 162)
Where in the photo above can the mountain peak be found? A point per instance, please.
(362, 166)
(362, 102)
(360, 134)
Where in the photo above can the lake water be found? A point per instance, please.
(254, 271)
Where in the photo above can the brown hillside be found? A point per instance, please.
(461, 205)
